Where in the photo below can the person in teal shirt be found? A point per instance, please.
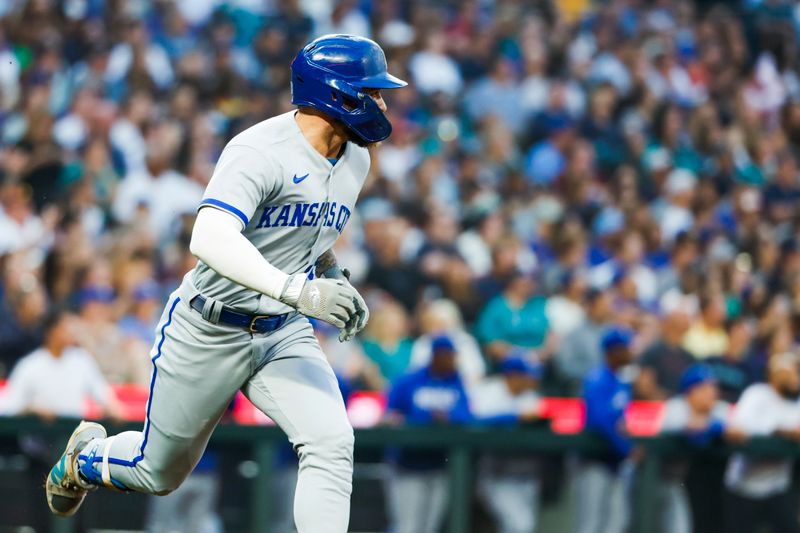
(514, 319)
(392, 360)
(386, 341)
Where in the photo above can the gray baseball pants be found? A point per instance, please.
(417, 500)
(602, 499)
(197, 369)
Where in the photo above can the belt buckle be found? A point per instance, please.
(251, 327)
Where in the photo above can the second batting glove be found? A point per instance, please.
(330, 300)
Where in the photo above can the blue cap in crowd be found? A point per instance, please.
(517, 365)
(442, 343)
(616, 336)
(146, 290)
(696, 374)
(95, 293)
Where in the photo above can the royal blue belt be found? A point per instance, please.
(246, 321)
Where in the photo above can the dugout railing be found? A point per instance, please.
(463, 444)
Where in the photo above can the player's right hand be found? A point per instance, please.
(329, 300)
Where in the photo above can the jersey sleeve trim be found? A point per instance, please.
(227, 207)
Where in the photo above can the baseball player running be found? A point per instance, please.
(282, 192)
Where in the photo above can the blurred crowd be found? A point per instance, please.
(559, 171)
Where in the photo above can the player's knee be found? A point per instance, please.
(163, 485)
(335, 448)
(163, 489)
(344, 442)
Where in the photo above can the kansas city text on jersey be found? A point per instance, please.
(329, 214)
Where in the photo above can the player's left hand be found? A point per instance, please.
(358, 319)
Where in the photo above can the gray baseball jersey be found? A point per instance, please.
(292, 201)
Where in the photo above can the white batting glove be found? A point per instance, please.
(329, 300)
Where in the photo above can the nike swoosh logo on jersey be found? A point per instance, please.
(298, 180)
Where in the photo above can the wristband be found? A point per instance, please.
(293, 288)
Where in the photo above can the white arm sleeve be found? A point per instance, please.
(217, 240)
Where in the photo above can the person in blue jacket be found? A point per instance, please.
(431, 395)
(602, 479)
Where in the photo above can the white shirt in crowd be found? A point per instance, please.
(156, 63)
(127, 138)
(435, 72)
(678, 414)
(760, 412)
(491, 397)
(16, 236)
(564, 315)
(58, 385)
(166, 196)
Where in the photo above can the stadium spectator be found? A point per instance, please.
(126, 133)
(662, 364)
(443, 317)
(140, 323)
(514, 319)
(102, 338)
(496, 94)
(20, 324)
(157, 194)
(565, 309)
(732, 369)
(782, 195)
(603, 480)
(504, 265)
(547, 160)
(697, 415)
(676, 216)
(386, 239)
(386, 341)
(759, 488)
(682, 255)
(432, 395)
(706, 336)
(580, 351)
(627, 270)
(509, 483)
(433, 71)
(58, 378)
(475, 245)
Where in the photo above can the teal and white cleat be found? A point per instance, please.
(65, 489)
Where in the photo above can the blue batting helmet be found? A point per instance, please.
(330, 74)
